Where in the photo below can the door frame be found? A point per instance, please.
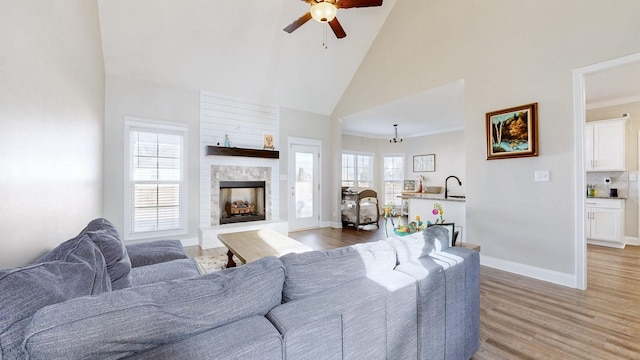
(579, 118)
(292, 140)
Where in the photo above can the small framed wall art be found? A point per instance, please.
(422, 163)
(512, 132)
(409, 185)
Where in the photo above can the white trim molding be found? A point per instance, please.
(555, 277)
(579, 119)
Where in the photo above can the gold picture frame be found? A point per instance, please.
(512, 132)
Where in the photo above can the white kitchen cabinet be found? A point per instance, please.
(605, 222)
(605, 145)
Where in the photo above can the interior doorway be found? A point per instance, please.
(580, 106)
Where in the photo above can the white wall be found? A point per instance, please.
(308, 125)
(509, 53)
(128, 97)
(51, 111)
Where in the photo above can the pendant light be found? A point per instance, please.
(395, 139)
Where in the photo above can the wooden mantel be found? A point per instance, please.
(235, 151)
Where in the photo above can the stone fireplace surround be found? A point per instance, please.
(229, 168)
(238, 173)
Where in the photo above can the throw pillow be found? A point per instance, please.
(106, 237)
(26, 290)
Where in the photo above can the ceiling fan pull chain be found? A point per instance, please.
(324, 36)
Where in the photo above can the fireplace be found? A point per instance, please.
(242, 201)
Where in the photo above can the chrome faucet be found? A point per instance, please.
(446, 191)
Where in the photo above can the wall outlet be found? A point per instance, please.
(607, 181)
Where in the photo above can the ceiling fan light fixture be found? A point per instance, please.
(323, 12)
(395, 139)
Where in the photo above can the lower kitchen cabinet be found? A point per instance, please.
(605, 222)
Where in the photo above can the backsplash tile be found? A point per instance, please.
(619, 180)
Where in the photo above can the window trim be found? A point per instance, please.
(157, 126)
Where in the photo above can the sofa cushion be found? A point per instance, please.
(155, 252)
(170, 270)
(26, 290)
(413, 247)
(311, 272)
(106, 237)
(155, 314)
(249, 338)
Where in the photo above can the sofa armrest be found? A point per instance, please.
(155, 252)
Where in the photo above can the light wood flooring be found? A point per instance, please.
(523, 318)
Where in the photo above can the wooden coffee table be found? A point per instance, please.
(252, 245)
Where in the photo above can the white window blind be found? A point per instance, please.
(156, 187)
(393, 178)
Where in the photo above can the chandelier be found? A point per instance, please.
(395, 139)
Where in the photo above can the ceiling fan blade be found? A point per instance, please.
(337, 28)
(296, 24)
(345, 4)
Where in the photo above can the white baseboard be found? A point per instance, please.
(555, 277)
(632, 240)
(192, 241)
(336, 224)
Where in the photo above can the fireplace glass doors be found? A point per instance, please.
(242, 201)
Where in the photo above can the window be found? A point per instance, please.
(393, 178)
(155, 189)
(357, 170)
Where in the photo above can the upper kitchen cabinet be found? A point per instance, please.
(605, 145)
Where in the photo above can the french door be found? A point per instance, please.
(304, 184)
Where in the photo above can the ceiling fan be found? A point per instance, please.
(324, 11)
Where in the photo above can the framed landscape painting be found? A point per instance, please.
(512, 132)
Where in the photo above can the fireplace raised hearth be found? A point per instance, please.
(242, 201)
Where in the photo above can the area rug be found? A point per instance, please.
(215, 260)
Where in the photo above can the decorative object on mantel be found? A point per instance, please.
(268, 142)
(227, 143)
(234, 151)
(395, 139)
(512, 132)
(424, 163)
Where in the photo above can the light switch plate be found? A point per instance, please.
(542, 175)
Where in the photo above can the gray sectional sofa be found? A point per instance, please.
(401, 298)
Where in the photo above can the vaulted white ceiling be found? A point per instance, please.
(238, 48)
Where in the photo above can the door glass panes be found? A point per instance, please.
(304, 185)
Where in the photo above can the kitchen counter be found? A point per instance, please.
(429, 196)
(607, 197)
